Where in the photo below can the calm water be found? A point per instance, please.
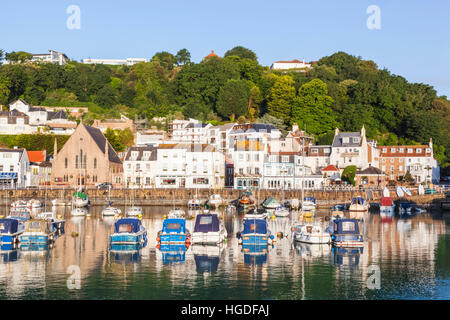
(413, 256)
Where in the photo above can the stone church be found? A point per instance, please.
(86, 159)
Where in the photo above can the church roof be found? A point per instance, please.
(100, 140)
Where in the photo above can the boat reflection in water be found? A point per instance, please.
(8, 253)
(311, 251)
(207, 257)
(126, 254)
(39, 248)
(255, 254)
(346, 256)
(173, 253)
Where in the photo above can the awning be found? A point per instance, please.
(8, 175)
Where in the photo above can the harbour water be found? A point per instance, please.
(411, 254)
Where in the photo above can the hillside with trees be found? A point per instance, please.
(340, 90)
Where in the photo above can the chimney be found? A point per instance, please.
(336, 132)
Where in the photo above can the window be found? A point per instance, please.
(76, 162)
(419, 150)
(138, 167)
(95, 163)
(427, 150)
(401, 150)
(256, 170)
(256, 157)
(285, 159)
(355, 140)
(11, 168)
(314, 150)
(384, 150)
(393, 150)
(410, 150)
(1, 167)
(241, 171)
(147, 180)
(138, 180)
(345, 140)
(66, 163)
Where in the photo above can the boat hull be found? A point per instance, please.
(312, 238)
(252, 239)
(28, 239)
(207, 237)
(178, 238)
(128, 238)
(347, 240)
(9, 238)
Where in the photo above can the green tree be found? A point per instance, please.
(242, 53)
(233, 99)
(277, 123)
(106, 97)
(281, 97)
(349, 174)
(114, 139)
(182, 57)
(165, 59)
(5, 84)
(312, 108)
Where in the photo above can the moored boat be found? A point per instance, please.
(128, 231)
(10, 230)
(294, 204)
(208, 229)
(111, 211)
(346, 233)
(58, 223)
(281, 211)
(176, 213)
(173, 232)
(38, 231)
(256, 232)
(309, 204)
(215, 201)
(80, 200)
(310, 233)
(387, 206)
(359, 204)
(257, 213)
(270, 203)
(404, 207)
(78, 212)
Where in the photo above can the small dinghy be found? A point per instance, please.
(310, 233)
(111, 211)
(406, 191)
(54, 220)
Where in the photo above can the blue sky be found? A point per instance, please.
(413, 40)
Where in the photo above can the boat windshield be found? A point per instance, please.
(205, 220)
(173, 226)
(125, 228)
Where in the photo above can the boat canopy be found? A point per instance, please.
(80, 194)
(312, 199)
(346, 226)
(207, 223)
(386, 201)
(127, 225)
(358, 200)
(255, 226)
(270, 201)
(37, 225)
(174, 225)
(9, 225)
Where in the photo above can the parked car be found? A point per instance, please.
(105, 186)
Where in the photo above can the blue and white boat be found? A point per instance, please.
(255, 232)
(309, 204)
(20, 214)
(173, 232)
(404, 207)
(346, 233)
(10, 230)
(57, 223)
(8, 253)
(359, 204)
(38, 231)
(126, 253)
(128, 231)
(348, 257)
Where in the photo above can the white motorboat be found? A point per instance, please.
(194, 204)
(133, 211)
(256, 214)
(294, 204)
(281, 211)
(111, 211)
(35, 204)
(59, 203)
(309, 204)
(80, 202)
(57, 222)
(359, 205)
(208, 229)
(310, 233)
(176, 213)
(215, 201)
(78, 212)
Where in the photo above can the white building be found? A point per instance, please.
(248, 159)
(52, 57)
(186, 165)
(189, 131)
(351, 148)
(127, 61)
(140, 167)
(14, 166)
(218, 136)
(15, 122)
(293, 64)
(37, 116)
(262, 133)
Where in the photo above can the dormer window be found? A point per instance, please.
(419, 150)
(314, 150)
(346, 140)
(134, 154)
(355, 140)
(393, 150)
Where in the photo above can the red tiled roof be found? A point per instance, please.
(36, 156)
(330, 167)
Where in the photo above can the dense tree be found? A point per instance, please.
(281, 97)
(242, 53)
(182, 57)
(312, 108)
(349, 174)
(18, 57)
(233, 99)
(106, 97)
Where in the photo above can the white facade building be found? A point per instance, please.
(350, 148)
(293, 64)
(140, 167)
(14, 166)
(127, 61)
(185, 165)
(15, 122)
